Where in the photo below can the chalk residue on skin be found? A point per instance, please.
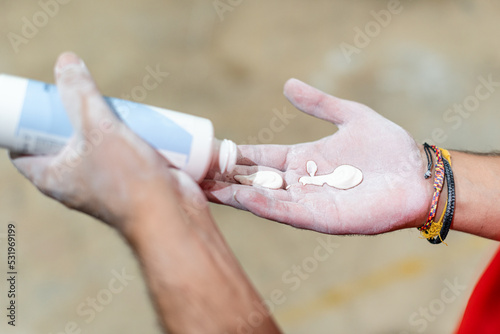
(343, 177)
(265, 179)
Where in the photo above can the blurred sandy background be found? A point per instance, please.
(231, 68)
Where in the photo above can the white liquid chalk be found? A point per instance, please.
(265, 179)
(343, 177)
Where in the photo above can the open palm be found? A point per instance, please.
(394, 193)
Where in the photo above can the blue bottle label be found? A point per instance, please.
(45, 126)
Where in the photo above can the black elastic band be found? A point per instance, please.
(427, 149)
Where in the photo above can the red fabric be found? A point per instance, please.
(482, 315)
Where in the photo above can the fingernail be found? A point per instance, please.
(68, 61)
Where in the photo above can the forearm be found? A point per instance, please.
(477, 190)
(194, 279)
(477, 184)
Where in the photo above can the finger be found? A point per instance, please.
(273, 156)
(223, 192)
(317, 103)
(241, 170)
(270, 207)
(82, 100)
(220, 193)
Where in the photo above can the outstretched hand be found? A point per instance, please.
(393, 195)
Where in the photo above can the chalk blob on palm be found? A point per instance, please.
(343, 177)
(265, 179)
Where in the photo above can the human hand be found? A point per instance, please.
(393, 194)
(105, 170)
(162, 212)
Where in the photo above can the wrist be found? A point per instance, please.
(428, 188)
(189, 267)
(429, 191)
(152, 211)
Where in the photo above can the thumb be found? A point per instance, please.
(86, 108)
(317, 103)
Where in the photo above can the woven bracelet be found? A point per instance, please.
(450, 205)
(438, 185)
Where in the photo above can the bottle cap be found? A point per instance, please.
(228, 153)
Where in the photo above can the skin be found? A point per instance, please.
(477, 189)
(394, 193)
(193, 277)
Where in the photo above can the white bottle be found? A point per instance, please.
(33, 121)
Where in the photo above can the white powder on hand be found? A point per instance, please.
(265, 179)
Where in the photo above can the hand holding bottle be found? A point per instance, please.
(115, 179)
